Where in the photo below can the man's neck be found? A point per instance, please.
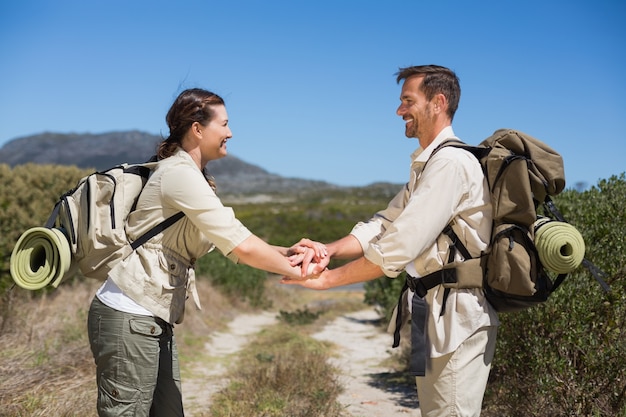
(424, 142)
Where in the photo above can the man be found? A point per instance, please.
(458, 326)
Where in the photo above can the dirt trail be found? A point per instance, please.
(361, 347)
(222, 346)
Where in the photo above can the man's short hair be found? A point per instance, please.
(437, 80)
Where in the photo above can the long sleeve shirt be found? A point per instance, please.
(160, 274)
(407, 235)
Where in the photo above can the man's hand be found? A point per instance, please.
(314, 282)
(310, 255)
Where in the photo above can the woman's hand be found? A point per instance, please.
(310, 255)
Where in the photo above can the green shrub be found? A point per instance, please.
(235, 280)
(384, 292)
(27, 196)
(567, 357)
(324, 220)
(299, 317)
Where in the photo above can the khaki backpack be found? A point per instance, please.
(92, 216)
(522, 173)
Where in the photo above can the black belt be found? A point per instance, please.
(420, 287)
(419, 307)
(419, 311)
(168, 329)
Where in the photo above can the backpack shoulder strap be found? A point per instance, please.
(144, 170)
(449, 275)
(157, 229)
(479, 152)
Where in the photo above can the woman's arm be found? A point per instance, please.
(255, 252)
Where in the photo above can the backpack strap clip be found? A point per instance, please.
(421, 286)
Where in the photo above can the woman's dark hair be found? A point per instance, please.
(192, 105)
(437, 79)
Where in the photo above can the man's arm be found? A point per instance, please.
(359, 270)
(347, 247)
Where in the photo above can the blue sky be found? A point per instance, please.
(309, 85)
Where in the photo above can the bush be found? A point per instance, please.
(235, 280)
(299, 317)
(568, 357)
(322, 219)
(384, 292)
(27, 196)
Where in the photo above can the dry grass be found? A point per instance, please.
(331, 303)
(46, 367)
(281, 373)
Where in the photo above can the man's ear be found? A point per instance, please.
(440, 103)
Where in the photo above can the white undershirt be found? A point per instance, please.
(111, 295)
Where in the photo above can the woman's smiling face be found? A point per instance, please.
(215, 135)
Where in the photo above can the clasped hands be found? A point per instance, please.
(311, 256)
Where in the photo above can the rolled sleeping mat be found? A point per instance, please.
(40, 257)
(560, 245)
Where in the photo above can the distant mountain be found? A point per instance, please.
(101, 151)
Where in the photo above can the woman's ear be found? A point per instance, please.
(196, 129)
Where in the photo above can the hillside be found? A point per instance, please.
(101, 151)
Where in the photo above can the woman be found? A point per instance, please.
(132, 315)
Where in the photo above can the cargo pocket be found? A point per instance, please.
(177, 273)
(117, 399)
(147, 333)
(145, 327)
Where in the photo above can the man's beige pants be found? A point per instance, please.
(454, 384)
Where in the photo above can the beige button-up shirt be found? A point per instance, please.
(407, 236)
(160, 274)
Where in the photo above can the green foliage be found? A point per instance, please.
(27, 196)
(323, 219)
(568, 356)
(299, 317)
(319, 217)
(233, 279)
(384, 292)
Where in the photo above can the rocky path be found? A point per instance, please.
(361, 347)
